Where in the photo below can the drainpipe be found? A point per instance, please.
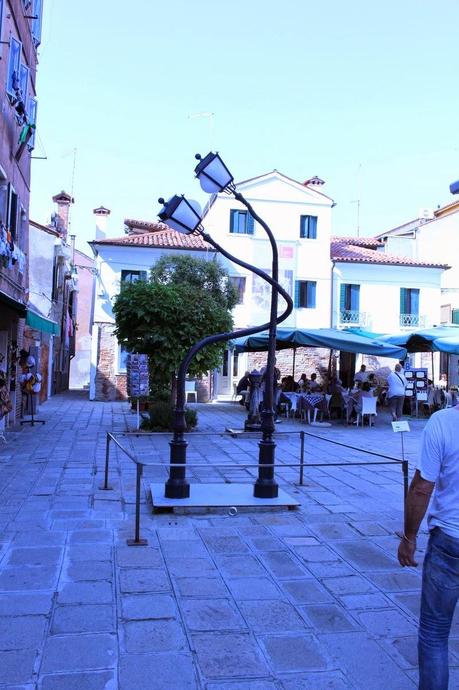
(332, 287)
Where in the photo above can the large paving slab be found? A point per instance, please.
(260, 599)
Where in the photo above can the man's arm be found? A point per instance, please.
(416, 504)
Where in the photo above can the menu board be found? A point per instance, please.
(416, 382)
(137, 376)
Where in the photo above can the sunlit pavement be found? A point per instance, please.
(266, 599)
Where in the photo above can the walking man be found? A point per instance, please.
(396, 384)
(438, 468)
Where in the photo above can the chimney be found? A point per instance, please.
(63, 201)
(101, 214)
(314, 182)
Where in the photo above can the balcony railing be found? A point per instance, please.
(348, 317)
(412, 321)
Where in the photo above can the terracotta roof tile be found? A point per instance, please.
(359, 250)
(161, 239)
(145, 225)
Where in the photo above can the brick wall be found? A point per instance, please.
(109, 384)
(307, 361)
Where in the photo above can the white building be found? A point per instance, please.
(127, 258)
(337, 282)
(382, 292)
(299, 216)
(434, 236)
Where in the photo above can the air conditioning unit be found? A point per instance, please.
(426, 214)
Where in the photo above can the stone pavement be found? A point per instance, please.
(268, 599)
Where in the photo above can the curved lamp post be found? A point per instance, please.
(183, 215)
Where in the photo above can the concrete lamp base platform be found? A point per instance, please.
(219, 496)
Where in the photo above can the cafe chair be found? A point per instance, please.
(369, 409)
(190, 390)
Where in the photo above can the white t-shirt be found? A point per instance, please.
(396, 383)
(439, 463)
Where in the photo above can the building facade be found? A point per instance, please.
(434, 236)
(80, 365)
(299, 216)
(20, 30)
(118, 260)
(341, 282)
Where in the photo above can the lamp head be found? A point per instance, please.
(180, 214)
(212, 173)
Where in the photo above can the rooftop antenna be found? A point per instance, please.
(359, 196)
(357, 201)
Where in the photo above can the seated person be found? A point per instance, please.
(302, 383)
(288, 384)
(314, 385)
(335, 389)
(372, 380)
(361, 375)
(364, 392)
(242, 387)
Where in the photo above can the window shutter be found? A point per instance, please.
(296, 301)
(302, 226)
(402, 300)
(355, 297)
(231, 227)
(250, 224)
(313, 227)
(342, 297)
(414, 307)
(312, 294)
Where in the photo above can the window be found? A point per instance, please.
(122, 359)
(241, 222)
(3, 201)
(32, 114)
(349, 303)
(305, 294)
(239, 285)
(133, 276)
(409, 306)
(12, 77)
(36, 22)
(308, 227)
(455, 316)
(12, 219)
(23, 81)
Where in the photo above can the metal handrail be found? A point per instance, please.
(138, 541)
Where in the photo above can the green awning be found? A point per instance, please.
(34, 320)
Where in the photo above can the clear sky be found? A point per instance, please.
(362, 94)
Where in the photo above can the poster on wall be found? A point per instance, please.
(137, 376)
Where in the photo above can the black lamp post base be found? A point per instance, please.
(265, 489)
(252, 426)
(176, 489)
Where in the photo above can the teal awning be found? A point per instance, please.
(435, 339)
(331, 338)
(41, 323)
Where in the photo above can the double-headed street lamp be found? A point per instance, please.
(184, 216)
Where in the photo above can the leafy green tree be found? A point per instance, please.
(184, 300)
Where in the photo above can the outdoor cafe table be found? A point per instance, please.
(307, 401)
